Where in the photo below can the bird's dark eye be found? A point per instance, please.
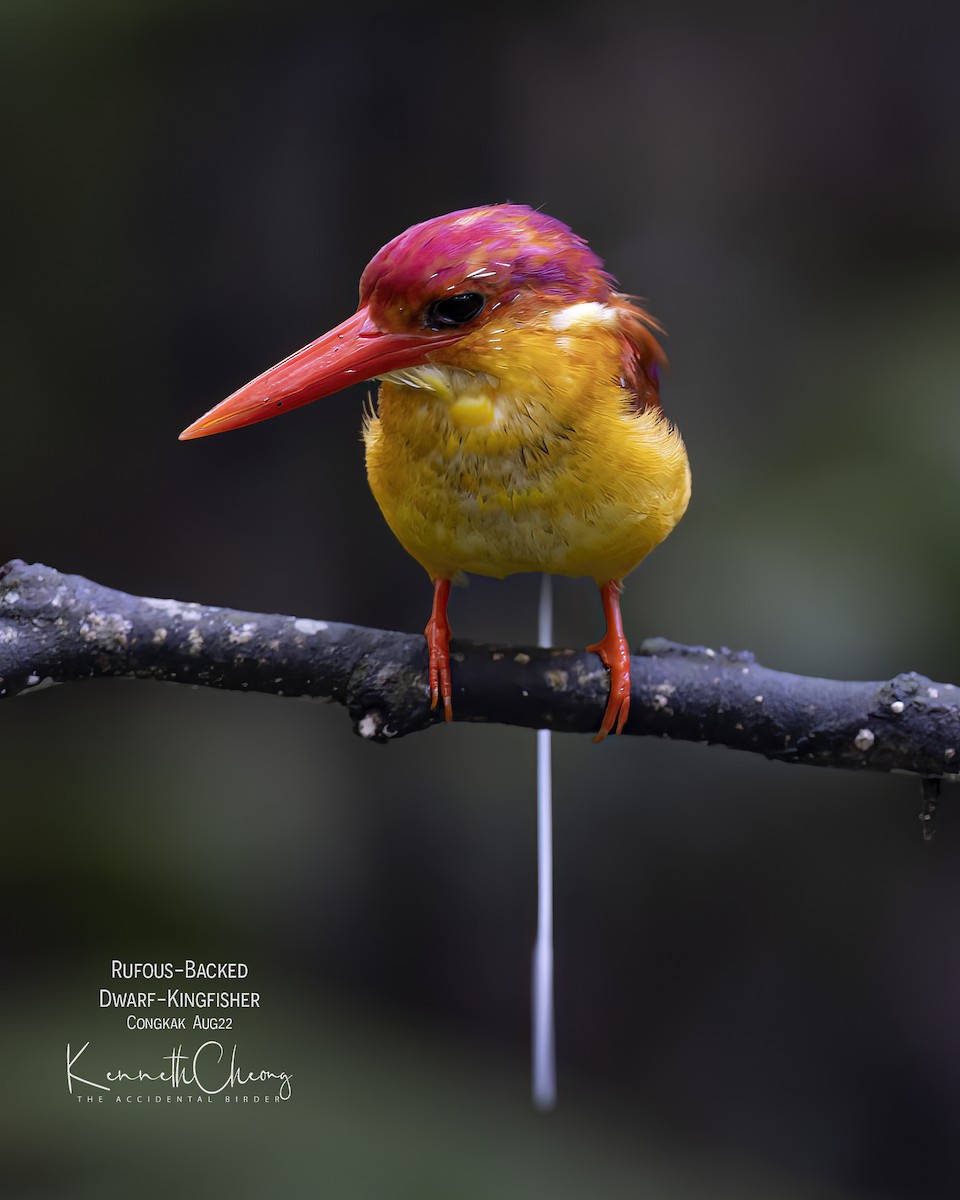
(455, 310)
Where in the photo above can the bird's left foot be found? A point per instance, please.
(614, 653)
(438, 645)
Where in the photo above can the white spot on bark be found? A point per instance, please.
(949, 755)
(897, 707)
(306, 625)
(864, 739)
(195, 641)
(239, 635)
(159, 636)
(11, 598)
(369, 725)
(758, 699)
(710, 653)
(933, 693)
(659, 701)
(521, 658)
(175, 608)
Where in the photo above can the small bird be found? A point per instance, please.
(518, 425)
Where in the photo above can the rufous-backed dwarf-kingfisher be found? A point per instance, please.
(518, 425)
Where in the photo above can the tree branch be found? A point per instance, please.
(58, 628)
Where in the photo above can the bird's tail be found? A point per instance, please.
(544, 1059)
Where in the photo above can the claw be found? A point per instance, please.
(438, 645)
(615, 655)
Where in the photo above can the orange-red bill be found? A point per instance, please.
(353, 352)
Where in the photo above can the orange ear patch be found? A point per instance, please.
(643, 356)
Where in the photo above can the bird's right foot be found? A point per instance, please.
(614, 651)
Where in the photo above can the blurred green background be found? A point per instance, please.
(757, 970)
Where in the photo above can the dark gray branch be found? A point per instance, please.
(62, 628)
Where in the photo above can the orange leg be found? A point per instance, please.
(438, 644)
(615, 654)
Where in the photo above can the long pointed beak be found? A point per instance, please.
(353, 352)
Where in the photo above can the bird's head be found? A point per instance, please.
(453, 291)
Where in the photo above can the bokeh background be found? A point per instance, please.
(758, 966)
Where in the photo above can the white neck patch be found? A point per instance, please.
(582, 315)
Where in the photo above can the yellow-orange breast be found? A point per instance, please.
(545, 466)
